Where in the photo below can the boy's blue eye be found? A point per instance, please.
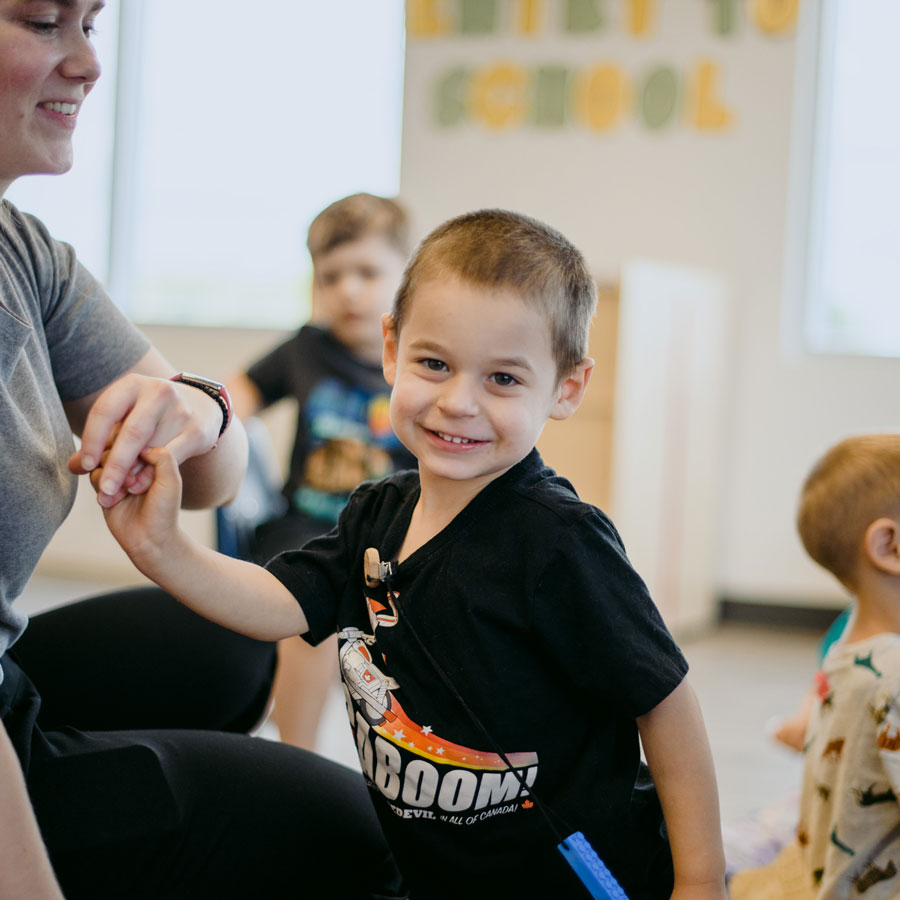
(504, 379)
(435, 365)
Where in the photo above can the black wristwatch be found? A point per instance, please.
(214, 389)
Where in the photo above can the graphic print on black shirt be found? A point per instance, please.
(421, 774)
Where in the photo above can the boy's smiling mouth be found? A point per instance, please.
(454, 439)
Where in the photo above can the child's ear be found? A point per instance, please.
(571, 389)
(389, 350)
(882, 545)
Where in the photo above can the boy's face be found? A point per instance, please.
(474, 380)
(354, 284)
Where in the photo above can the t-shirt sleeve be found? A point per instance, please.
(596, 618)
(90, 342)
(318, 574)
(272, 373)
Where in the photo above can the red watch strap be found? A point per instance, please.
(214, 389)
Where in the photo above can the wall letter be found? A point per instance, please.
(450, 105)
(550, 93)
(601, 97)
(528, 16)
(478, 16)
(582, 16)
(640, 16)
(424, 19)
(775, 16)
(723, 16)
(659, 97)
(497, 95)
(710, 114)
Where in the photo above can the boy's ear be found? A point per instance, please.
(389, 349)
(882, 545)
(571, 389)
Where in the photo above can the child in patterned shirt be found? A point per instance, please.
(848, 835)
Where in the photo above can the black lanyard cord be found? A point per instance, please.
(445, 678)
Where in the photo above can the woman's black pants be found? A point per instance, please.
(128, 713)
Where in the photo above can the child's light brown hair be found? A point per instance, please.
(355, 217)
(856, 482)
(499, 249)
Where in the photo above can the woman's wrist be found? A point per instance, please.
(214, 389)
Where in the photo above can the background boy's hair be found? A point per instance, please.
(355, 217)
(495, 248)
(856, 482)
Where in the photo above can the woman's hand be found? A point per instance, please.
(135, 413)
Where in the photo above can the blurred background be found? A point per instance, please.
(728, 167)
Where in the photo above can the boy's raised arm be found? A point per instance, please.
(678, 754)
(237, 594)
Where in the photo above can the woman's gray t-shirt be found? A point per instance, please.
(61, 338)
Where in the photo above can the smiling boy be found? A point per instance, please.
(500, 656)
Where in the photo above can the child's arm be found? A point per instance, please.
(236, 594)
(678, 754)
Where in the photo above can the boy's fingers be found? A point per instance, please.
(141, 481)
(164, 464)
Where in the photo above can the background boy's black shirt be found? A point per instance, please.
(341, 398)
(528, 602)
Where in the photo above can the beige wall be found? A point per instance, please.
(720, 201)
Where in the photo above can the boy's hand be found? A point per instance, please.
(144, 523)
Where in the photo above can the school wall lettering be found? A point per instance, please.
(535, 85)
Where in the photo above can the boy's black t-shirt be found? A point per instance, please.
(344, 434)
(528, 604)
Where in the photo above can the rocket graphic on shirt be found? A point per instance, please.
(420, 773)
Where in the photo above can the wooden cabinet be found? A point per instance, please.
(646, 443)
(580, 447)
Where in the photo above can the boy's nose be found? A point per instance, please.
(458, 398)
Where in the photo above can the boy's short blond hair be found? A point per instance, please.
(355, 217)
(856, 482)
(497, 249)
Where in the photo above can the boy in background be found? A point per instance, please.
(500, 656)
(848, 836)
(332, 369)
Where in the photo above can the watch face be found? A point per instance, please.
(190, 378)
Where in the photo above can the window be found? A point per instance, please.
(853, 280)
(235, 125)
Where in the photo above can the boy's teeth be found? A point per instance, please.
(455, 440)
(65, 108)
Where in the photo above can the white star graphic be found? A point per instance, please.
(427, 729)
(399, 735)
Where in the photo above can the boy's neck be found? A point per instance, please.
(877, 611)
(440, 502)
